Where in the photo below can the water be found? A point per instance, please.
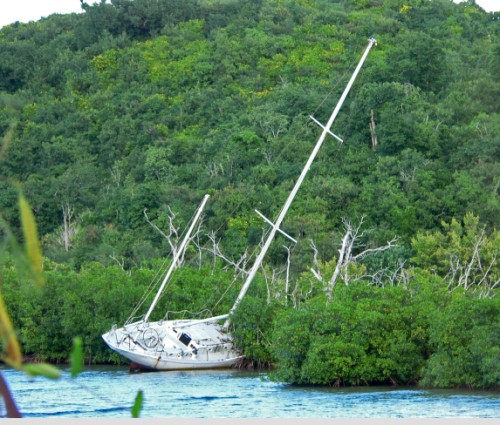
(109, 392)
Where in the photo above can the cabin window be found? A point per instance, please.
(185, 338)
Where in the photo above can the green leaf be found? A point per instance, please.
(42, 369)
(6, 141)
(137, 407)
(76, 358)
(7, 334)
(32, 245)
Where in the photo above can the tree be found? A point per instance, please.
(173, 237)
(419, 60)
(464, 254)
(70, 228)
(347, 258)
(464, 344)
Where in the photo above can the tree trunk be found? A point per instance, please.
(372, 131)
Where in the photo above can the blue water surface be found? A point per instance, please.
(109, 392)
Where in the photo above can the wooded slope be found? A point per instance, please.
(141, 107)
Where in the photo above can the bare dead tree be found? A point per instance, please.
(342, 263)
(486, 285)
(316, 271)
(408, 176)
(372, 131)
(275, 284)
(474, 263)
(120, 262)
(239, 265)
(215, 169)
(271, 284)
(116, 175)
(173, 233)
(196, 242)
(173, 237)
(350, 241)
(70, 228)
(299, 293)
(230, 168)
(470, 274)
(287, 270)
(272, 125)
(400, 276)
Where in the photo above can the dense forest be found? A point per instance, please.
(116, 121)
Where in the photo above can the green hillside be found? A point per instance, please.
(132, 110)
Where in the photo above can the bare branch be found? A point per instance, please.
(372, 131)
(340, 262)
(70, 228)
(238, 265)
(316, 271)
(390, 244)
(172, 237)
(475, 255)
(349, 241)
(467, 270)
(288, 263)
(120, 262)
(492, 263)
(154, 226)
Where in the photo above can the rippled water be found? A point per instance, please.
(110, 392)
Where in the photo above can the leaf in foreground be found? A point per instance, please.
(76, 357)
(32, 244)
(11, 343)
(42, 369)
(137, 407)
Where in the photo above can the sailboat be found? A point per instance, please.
(189, 344)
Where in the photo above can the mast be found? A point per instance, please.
(177, 256)
(277, 224)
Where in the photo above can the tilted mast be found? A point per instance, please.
(177, 256)
(276, 226)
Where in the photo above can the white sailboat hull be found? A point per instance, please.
(147, 361)
(175, 345)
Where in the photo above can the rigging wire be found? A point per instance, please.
(180, 238)
(348, 71)
(155, 282)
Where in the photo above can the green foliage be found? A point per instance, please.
(464, 254)
(419, 60)
(42, 369)
(465, 342)
(73, 309)
(144, 97)
(76, 357)
(31, 241)
(365, 335)
(137, 407)
(141, 105)
(252, 322)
